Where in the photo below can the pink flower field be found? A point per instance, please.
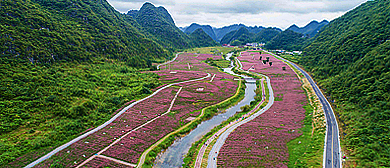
(179, 75)
(132, 118)
(262, 141)
(101, 162)
(189, 103)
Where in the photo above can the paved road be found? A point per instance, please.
(332, 150)
(213, 155)
(106, 123)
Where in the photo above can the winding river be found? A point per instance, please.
(174, 155)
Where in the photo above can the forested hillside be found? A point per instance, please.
(200, 38)
(286, 40)
(266, 35)
(351, 59)
(49, 31)
(241, 35)
(206, 28)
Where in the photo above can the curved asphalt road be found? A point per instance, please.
(332, 150)
(213, 155)
(106, 123)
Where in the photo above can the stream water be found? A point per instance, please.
(174, 155)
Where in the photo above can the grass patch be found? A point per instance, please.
(306, 150)
(220, 63)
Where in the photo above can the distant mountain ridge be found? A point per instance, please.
(218, 33)
(311, 29)
(243, 36)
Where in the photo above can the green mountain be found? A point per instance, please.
(241, 35)
(311, 29)
(266, 35)
(351, 59)
(200, 38)
(206, 28)
(286, 40)
(159, 25)
(53, 31)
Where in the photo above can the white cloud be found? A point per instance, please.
(218, 13)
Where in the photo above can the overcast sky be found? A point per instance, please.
(268, 13)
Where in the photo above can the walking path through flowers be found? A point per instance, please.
(158, 66)
(199, 158)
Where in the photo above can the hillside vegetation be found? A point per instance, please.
(287, 40)
(351, 59)
(51, 31)
(42, 107)
(200, 38)
(206, 28)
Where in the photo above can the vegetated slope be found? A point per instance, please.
(50, 31)
(200, 38)
(351, 58)
(161, 27)
(266, 35)
(286, 40)
(243, 36)
(311, 29)
(206, 28)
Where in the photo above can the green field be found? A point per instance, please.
(43, 107)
